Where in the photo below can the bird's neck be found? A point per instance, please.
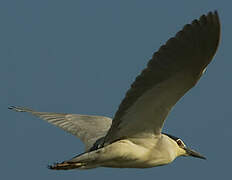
(165, 149)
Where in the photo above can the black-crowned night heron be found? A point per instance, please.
(133, 139)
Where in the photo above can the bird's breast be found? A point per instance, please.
(127, 154)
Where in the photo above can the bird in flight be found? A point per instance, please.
(134, 138)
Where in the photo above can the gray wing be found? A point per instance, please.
(88, 128)
(172, 71)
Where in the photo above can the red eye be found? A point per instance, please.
(179, 142)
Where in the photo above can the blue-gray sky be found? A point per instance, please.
(81, 56)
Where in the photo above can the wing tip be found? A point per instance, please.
(19, 109)
(16, 108)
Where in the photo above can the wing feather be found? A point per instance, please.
(88, 128)
(173, 70)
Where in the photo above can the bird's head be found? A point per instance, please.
(182, 149)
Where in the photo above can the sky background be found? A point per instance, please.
(80, 56)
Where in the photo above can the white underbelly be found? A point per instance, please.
(125, 154)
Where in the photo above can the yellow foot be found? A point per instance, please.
(65, 166)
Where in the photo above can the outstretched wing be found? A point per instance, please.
(172, 71)
(88, 128)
